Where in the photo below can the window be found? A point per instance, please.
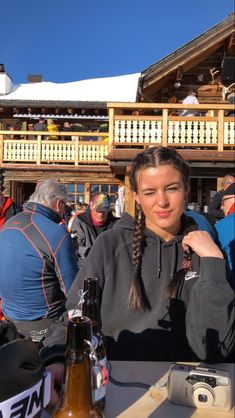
(76, 193)
(111, 189)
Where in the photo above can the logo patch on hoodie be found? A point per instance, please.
(191, 275)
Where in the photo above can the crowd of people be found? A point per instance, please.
(53, 127)
(165, 275)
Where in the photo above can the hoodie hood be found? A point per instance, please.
(127, 222)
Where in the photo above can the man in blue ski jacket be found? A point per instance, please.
(38, 263)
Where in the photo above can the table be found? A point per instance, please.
(130, 402)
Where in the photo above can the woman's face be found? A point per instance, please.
(161, 194)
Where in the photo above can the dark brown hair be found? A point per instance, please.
(150, 158)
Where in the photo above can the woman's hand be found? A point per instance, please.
(57, 373)
(202, 244)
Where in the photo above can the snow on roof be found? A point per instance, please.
(109, 89)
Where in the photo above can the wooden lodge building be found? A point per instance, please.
(115, 118)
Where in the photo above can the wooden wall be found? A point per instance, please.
(199, 79)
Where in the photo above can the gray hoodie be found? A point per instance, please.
(195, 325)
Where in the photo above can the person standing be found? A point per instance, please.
(67, 127)
(40, 126)
(52, 128)
(226, 229)
(86, 226)
(38, 264)
(190, 99)
(7, 208)
(215, 205)
(119, 203)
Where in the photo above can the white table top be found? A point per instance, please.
(128, 402)
(131, 402)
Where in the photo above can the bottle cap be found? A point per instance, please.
(78, 330)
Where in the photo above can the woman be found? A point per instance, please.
(52, 128)
(164, 294)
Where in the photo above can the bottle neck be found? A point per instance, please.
(77, 387)
(91, 309)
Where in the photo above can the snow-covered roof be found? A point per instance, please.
(109, 89)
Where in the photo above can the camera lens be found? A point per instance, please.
(202, 397)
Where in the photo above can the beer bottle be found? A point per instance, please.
(77, 393)
(91, 309)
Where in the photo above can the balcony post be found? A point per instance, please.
(164, 127)
(39, 153)
(76, 151)
(1, 149)
(221, 130)
(111, 127)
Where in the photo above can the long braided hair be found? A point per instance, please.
(150, 158)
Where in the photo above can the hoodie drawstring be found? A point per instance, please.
(159, 260)
(173, 260)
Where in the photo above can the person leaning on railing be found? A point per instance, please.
(52, 127)
(190, 99)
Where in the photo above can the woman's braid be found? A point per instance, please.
(135, 299)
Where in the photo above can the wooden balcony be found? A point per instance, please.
(154, 125)
(131, 126)
(38, 149)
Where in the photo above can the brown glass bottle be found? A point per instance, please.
(77, 393)
(91, 309)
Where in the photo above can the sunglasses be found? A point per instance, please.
(226, 198)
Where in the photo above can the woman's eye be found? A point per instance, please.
(172, 189)
(149, 193)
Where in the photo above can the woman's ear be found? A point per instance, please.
(136, 197)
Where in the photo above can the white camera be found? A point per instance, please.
(199, 387)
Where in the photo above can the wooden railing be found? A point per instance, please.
(136, 125)
(37, 148)
(130, 125)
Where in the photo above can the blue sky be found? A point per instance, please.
(71, 40)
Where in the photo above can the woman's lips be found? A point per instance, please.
(164, 214)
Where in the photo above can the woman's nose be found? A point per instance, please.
(162, 199)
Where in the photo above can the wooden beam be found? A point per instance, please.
(129, 201)
(231, 44)
(58, 167)
(123, 155)
(188, 61)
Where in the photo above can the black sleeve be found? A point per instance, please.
(214, 207)
(210, 313)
